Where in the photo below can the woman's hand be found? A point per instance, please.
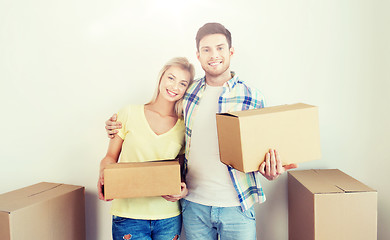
(114, 149)
(100, 187)
(100, 184)
(174, 198)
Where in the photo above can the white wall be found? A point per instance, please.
(66, 66)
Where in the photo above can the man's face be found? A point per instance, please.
(214, 54)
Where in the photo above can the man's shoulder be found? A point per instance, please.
(247, 89)
(194, 87)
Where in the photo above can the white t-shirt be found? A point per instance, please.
(208, 179)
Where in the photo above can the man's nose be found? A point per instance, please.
(214, 53)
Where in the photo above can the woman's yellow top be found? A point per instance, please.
(141, 144)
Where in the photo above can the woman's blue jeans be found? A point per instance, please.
(138, 229)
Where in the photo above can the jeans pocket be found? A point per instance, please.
(250, 213)
(117, 219)
(183, 204)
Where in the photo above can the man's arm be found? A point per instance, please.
(111, 125)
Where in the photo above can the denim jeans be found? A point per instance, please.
(139, 229)
(208, 222)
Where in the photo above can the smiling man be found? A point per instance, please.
(220, 199)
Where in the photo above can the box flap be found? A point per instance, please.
(329, 181)
(143, 164)
(343, 180)
(266, 110)
(33, 194)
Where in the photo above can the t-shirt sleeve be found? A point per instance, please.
(123, 117)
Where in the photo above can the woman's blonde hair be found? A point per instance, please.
(184, 64)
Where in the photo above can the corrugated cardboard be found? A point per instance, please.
(246, 136)
(329, 204)
(142, 179)
(43, 211)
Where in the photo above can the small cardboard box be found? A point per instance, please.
(246, 136)
(43, 211)
(142, 179)
(329, 204)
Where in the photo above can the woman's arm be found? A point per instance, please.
(112, 156)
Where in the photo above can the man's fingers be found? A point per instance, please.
(290, 166)
(114, 117)
(116, 125)
(262, 168)
(273, 163)
(268, 164)
(279, 166)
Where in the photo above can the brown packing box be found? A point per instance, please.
(43, 211)
(142, 179)
(246, 136)
(329, 204)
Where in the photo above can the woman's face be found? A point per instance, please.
(174, 83)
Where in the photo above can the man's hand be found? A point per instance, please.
(272, 167)
(112, 125)
(174, 198)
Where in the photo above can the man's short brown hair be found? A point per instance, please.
(213, 28)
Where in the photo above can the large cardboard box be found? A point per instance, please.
(43, 211)
(329, 204)
(142, 179)
(246, 136)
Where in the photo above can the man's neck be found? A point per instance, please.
(219, 80)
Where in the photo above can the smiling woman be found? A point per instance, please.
(150, 132)
(173, 76)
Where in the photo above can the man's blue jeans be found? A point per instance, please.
(208, 222)
(138, 229)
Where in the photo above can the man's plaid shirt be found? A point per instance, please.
(236, 96)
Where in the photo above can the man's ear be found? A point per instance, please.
(231, 51)
(197, 55)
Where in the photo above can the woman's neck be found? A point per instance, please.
(163, 107)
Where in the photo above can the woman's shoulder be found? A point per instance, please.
(130, 113)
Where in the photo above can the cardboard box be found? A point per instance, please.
(329, 204)
(43, 211)
(246, 136)
(142, 179)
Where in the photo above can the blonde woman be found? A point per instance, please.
(154, 131)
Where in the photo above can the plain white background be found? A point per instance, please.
(66, 66)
